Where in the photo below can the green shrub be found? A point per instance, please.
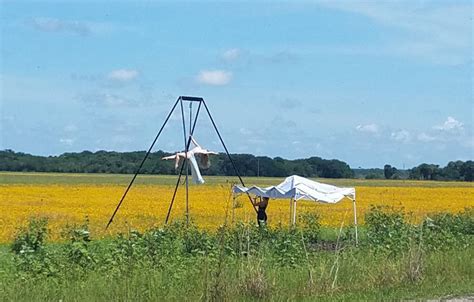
(387, 230)
(171, 248)
(310, 226)
(30, 255)
(127, 251)
(446, 230)
(287, 246)
(31, 239)
(78, 249)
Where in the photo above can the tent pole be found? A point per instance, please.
(355, 220)
(291, 211)
(233, 207)
(294, 212)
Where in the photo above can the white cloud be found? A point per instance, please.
(231, 54)
(451, 130)
(369, 128)
(81, 28)
(70, 128)
(440, 32)
(57, 25)
(123, 75)
(67, 141)
(214, 77)
(401, 136)
(423, 137)
(107, 99)
(256, 141)
(121, 139)
(245, 131)
(451, 124)
(114, 100)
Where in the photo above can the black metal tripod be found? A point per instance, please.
(187, 141)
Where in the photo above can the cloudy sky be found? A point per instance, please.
(365, 82)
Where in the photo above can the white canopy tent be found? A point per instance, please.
(299, 188)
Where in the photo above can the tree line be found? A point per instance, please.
(454, 170)
(127, 163)
(247, 165)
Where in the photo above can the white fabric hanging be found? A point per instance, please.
(203, 155)
(196, 174)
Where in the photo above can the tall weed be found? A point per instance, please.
(30, 254)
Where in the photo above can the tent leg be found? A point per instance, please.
(233, 207)
(355, 221)
(291, 211)
(294, 212)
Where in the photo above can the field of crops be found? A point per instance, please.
(70, 198)
(394, 260)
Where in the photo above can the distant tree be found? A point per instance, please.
(426, 172)
(452, 171)
(390, 172)
(467, 170)
(336, 169)
(414, 173)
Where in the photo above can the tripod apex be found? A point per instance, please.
(191, 98)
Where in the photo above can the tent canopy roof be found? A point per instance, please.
(298, 187)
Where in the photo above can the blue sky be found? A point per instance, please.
(365, 82)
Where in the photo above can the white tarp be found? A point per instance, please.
(297, 187)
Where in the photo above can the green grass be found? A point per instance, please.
(361, 276)
(244, 263)
(7, 178)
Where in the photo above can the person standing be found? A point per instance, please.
(262, 207)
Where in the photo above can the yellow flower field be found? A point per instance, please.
(210, 205)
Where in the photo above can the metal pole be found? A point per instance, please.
(294, 211)
(141, 164)
(291, 211)
(227, 152)
(187, 165)
(190, 114)
(174, 193)
(355, 220)
(182, 166)
(233, 207)
(186, 160)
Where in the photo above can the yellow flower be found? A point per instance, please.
(210, 206)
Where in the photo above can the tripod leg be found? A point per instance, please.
(182, 166)
(141, 164)
(227, 152)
